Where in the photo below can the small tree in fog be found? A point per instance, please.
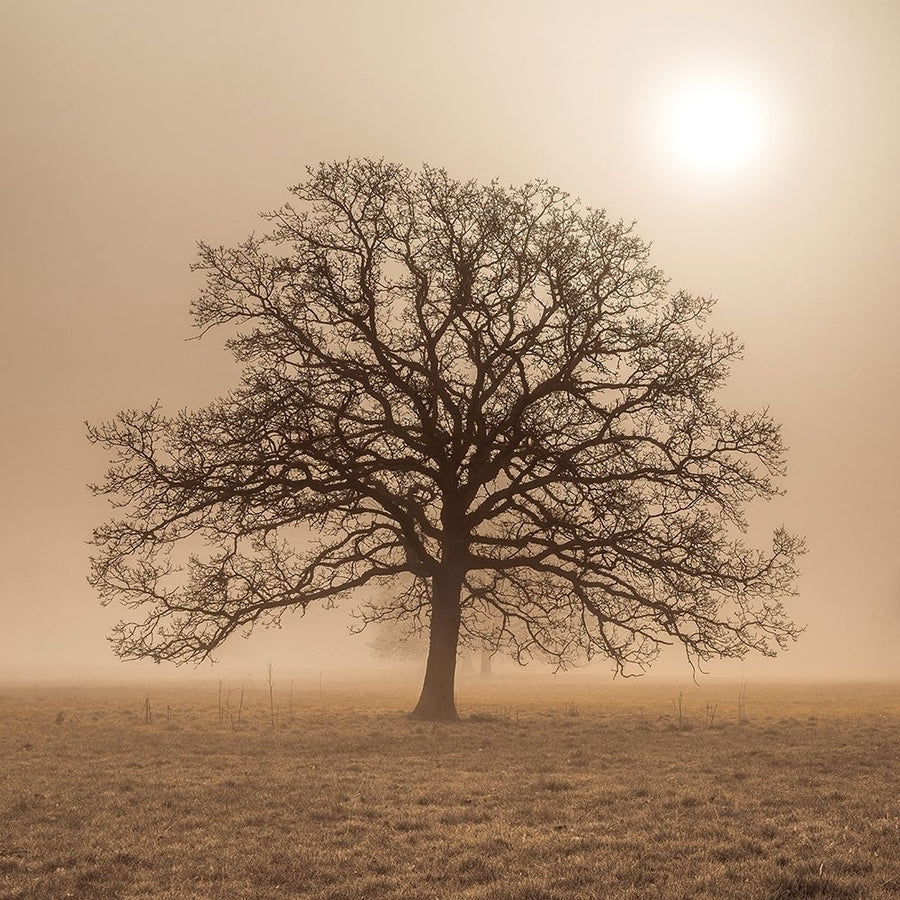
(390, 643)
(482, 405)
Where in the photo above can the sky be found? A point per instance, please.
(130, 131)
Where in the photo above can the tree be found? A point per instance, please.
(389, 642)
(482, 403)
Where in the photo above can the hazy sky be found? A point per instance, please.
(131, 130)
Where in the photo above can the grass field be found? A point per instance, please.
(548, 789)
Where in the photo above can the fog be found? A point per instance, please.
(130, 131)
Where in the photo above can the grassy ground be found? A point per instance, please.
(547, 789)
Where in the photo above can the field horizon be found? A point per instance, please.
(566, 787)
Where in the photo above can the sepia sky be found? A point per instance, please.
(129, 131)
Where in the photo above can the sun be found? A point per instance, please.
(714, 124)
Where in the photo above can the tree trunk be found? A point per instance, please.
(437, 702)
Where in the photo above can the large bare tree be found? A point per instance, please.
(482, 407)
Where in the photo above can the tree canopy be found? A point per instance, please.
(481, 409)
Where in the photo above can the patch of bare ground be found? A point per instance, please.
(548, 789)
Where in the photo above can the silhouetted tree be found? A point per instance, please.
(483, 401)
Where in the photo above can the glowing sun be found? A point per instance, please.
(714, 124)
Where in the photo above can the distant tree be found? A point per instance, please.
(482, 401)
(390, 642)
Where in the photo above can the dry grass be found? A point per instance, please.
(547, 789)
